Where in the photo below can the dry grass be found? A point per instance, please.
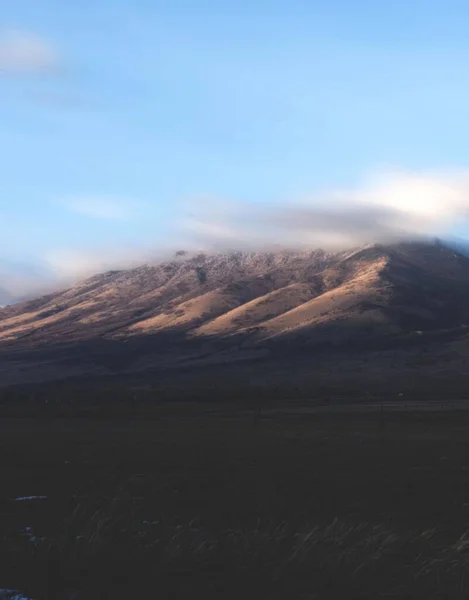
(258, 310)
(204, 307)
(206, 502)
(112, 552)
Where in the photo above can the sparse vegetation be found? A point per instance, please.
(204, 503)
(116, 555)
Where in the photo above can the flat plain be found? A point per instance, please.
(202, 501)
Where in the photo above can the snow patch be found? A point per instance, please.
(27, 499)
(12, 595)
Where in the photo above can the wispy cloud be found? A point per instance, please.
(385, 208)
(24, 53)
(71, 264)
(99, 207)
(63, 267)
(19, 278)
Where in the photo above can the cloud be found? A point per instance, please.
(64, 267)
(106, 208)
(70, 265)
(24, 53)
(387, 207)
(23, 278)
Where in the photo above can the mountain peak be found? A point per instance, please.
(254, 298)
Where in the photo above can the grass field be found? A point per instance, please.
(327, 504)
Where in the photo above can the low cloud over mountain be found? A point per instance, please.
(385, 208)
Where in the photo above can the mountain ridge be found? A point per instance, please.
(235, 304)
(163, 295)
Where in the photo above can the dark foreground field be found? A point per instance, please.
(332, 504)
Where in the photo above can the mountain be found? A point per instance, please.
(228, 307)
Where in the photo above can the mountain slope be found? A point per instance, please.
(158, 295)
(258, 310)
(224, 307)
(380, 290)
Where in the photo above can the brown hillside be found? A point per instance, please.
(225, 307)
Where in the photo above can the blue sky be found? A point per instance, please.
(116, 116)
